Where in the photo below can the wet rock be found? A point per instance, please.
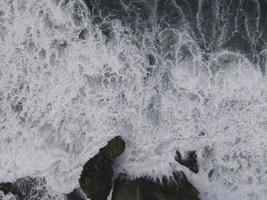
(145, 189)
(189, 160)
(8, 187)
(29, 188)
(97, 173)
(76, 194)
(26, 189)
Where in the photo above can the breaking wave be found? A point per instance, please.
(164, 77)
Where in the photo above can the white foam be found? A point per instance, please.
(76, 95)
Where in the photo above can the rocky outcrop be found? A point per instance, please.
(96, 181)
(145, 189)
(96, 178)
(97, 173)
(172, 188)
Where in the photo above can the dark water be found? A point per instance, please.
(215, 25)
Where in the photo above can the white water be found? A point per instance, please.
(71, 107)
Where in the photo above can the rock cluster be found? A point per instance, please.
(96, 181)
(97, 174)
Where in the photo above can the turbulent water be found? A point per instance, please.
(163, 74)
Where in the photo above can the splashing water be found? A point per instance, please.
(67, 88)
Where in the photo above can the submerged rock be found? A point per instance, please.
(151, 59)
(84, 34)
(8, 187)
(27, 188)
(189, 160)
(97, 173)
(145, 189)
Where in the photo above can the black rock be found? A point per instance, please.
(76, 194)
(189, 161)
(97, 173)
(145, 189)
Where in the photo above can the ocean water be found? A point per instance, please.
(165, 75)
